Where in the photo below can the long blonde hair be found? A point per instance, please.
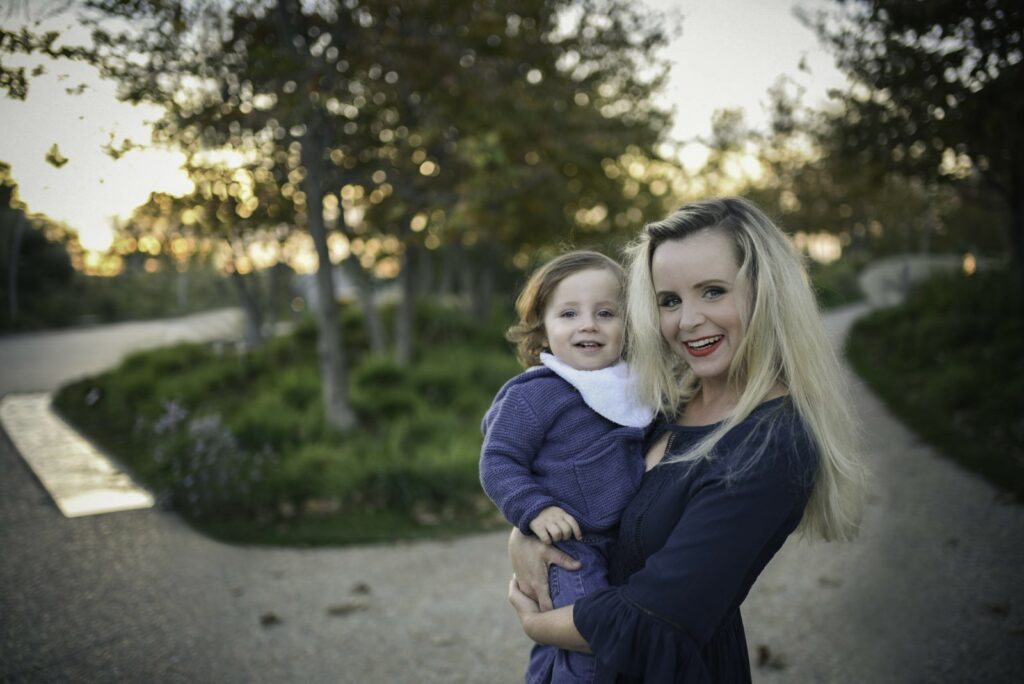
(784, 342)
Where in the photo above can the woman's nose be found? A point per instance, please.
(690, 317)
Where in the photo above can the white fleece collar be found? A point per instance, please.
(610, 391)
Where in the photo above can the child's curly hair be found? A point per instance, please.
(528, 334)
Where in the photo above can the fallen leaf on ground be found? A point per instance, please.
(347, 608)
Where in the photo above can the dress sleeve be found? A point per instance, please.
(514, 434)
(669, 610)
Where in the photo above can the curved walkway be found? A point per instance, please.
(931, 592)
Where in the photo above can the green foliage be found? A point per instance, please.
(836, 284)
(41, 267)
(236, 440)
(938, 95)
(133, 295)
(950, 362)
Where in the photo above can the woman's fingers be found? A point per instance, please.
(523, 604)
(554, 556)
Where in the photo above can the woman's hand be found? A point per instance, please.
(554, 627)
(523, 604)
(530, 560)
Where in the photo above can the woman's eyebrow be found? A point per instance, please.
(711, 281)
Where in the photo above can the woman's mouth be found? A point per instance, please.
(704, 346)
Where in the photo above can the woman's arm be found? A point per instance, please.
(530, 560)
(550, 628)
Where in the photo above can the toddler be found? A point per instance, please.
(562, 441)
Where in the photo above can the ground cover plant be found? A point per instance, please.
(234, 440)
(950, 364)
(835, 284)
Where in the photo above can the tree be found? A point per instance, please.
(938, 92)
(34, 258)
(29, 42)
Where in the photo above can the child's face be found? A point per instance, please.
(583, 321)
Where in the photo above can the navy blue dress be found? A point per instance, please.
(690, 545)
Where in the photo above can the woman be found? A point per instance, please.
(725, 336)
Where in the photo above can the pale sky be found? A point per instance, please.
(728, 55)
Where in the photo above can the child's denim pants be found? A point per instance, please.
(550, 665)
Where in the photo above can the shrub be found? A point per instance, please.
(207, 472)
(950, 363)
(238, 444)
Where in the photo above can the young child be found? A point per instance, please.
(562, 440)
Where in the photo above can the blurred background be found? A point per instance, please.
(262, 255)
(369, 183)
(348, 194)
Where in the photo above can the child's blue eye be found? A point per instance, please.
(569, 314)
(606, 313)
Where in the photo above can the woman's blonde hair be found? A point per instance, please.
(528, 333)
(784, 342)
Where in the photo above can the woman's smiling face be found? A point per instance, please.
(700, 302)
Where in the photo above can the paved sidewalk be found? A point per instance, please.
(931, 592)
(80, 479)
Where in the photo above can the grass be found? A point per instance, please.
(950, 364)
(237, 444)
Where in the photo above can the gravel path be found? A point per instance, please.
(931, 592)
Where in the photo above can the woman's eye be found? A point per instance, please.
(714, 292)
(669, 301)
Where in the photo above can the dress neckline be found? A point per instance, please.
(676, 427)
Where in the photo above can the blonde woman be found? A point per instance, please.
(757, 441)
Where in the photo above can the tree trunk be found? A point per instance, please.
(465, 272)
(424, 271)
(273, 295)
(449, 270)
(405, 312)
(333, 373)
(250, 305)
(367, 296)
(1017, 232)
(181, 281)
(12, 273)
(483, 294)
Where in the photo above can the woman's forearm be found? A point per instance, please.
(555, 628)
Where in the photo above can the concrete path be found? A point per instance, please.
(79, 478)
(931, 592)
(43, 361)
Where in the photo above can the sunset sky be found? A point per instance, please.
(728, 55)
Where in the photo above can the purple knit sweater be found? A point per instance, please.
(543, 446)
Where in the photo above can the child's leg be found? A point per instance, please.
(548, 664)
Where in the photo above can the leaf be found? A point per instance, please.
(54, 157)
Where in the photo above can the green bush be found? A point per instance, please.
(836, 284)
(950, 363)
(236, 441)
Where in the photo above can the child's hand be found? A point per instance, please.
(553, 524)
